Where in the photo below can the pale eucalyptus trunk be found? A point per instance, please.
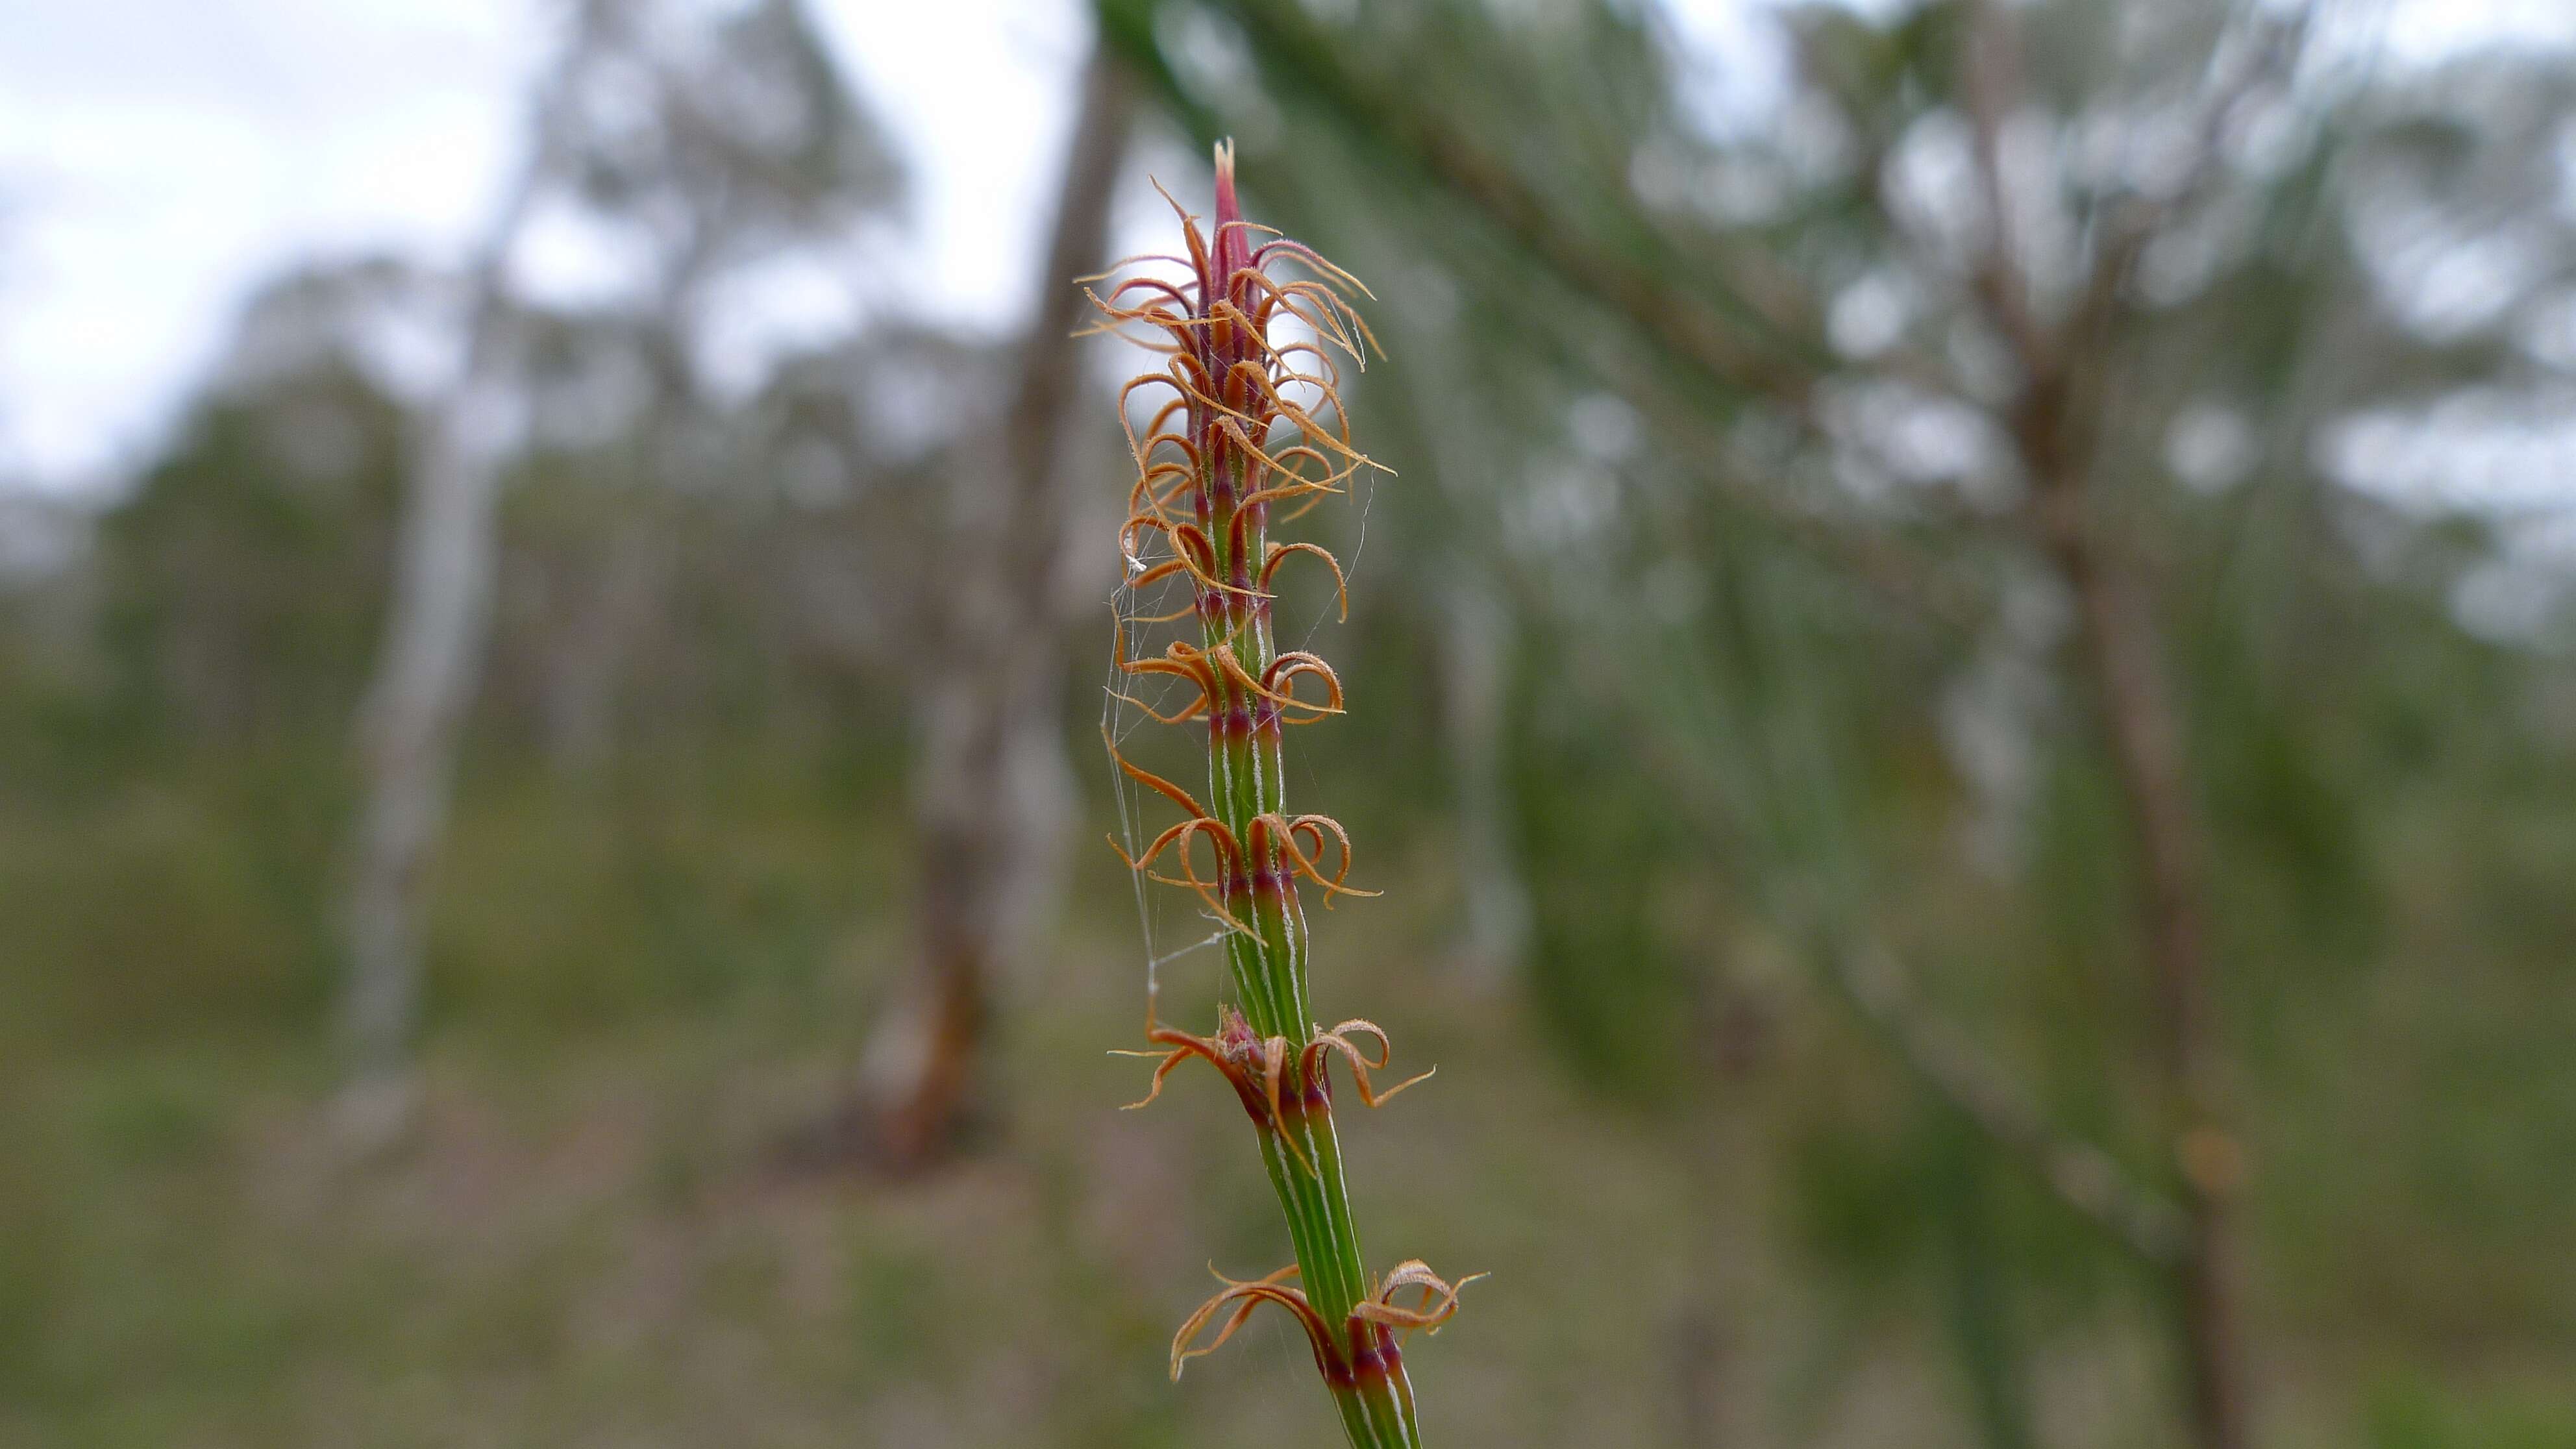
(432, 657)
(992, 791)
(436, 621)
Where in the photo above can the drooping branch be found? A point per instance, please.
(1876, 983)
(2089, 1180)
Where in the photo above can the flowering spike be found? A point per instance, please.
(1247, 431)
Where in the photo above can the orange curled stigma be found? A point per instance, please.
(1339, 1362)
(1181, 661)
(1256, 1067)
(1246, 1296)
(1305, 859)
(1179, 1046)
(1259, 1068)
(1339, 1040)
(1439, 1298)
(1294, 664)
(1179, 838)
(1341, 585)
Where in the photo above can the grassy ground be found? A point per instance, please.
(594, 1238)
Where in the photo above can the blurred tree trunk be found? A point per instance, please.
(604, 627)
(1475, 660)
(2122, 666)
(991, 789)
(2056, 428)
(1432, 395)
(435, 622)
(433, 647)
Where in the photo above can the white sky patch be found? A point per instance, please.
(1736, 67)
(572, 256)
(158, 158)
(2211, 447)
(979, 95)
(2434, 30)
(2477, 450)
(797, 301)
(1869, 316)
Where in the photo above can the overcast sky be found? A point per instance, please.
(158, 157)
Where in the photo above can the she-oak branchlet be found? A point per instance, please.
(1251, 433)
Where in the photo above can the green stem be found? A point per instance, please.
(1268, 960)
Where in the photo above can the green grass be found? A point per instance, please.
(642, 985)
